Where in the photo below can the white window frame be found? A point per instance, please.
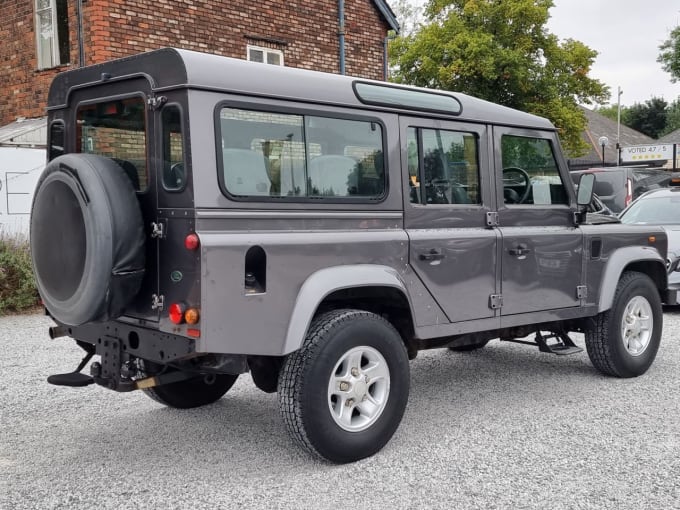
(264, 51)
(53, 60)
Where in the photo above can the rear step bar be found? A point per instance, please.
(77, 379)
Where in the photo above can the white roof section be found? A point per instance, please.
(24, 133)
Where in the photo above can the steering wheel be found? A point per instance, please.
(174, 178)
(510, 195)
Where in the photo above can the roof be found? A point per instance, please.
(598, 126)
(171, 68)
(25, 133)
(388, 14)
(672, 137)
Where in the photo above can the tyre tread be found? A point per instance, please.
(292, 378)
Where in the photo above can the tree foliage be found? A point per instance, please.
(502, 52)
(648, 117)
(670, 54)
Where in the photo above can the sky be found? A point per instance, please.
(626, 34)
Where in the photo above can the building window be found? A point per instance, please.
(51, 28)
(265, 55)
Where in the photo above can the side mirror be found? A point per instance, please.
(586, 184)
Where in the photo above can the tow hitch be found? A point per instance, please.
(115, 371)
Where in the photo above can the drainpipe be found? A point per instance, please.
(385, 64)
(341, 34)
(81, 44)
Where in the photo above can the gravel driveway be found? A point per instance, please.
(504, 427)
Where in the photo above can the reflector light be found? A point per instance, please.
(191, 241)
(191, 316)
(194, 332)
(176, 313)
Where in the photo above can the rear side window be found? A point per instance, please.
(443, 167)
(279, 156)
(174, 174)
(116, 129)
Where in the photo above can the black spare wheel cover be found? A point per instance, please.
(87, 239)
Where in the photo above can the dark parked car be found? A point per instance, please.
(618, 187)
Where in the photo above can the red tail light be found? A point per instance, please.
(176, 313)
(191, 241)
(629, 192)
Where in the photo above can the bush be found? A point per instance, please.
(17, 283)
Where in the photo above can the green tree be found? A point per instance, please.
(648, 117)
(502, 52)
(672, 117)
(670, 54)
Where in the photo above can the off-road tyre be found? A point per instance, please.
(87, 239)
(469, 347)
(605, 340)
(199, 391)
(303, 387)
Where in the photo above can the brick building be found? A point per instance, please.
(43, 37)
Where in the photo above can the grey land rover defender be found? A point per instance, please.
(201, 217)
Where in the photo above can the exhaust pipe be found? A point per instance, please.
(58, 331)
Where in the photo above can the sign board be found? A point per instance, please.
(644, 153)
(20, 169)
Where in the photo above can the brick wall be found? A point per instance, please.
(306, 32)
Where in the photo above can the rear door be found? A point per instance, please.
(447, 195)
(541, 261)
(114, 120)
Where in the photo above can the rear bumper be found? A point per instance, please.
(140, 342)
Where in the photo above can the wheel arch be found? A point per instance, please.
(632, 258)
(374, 288)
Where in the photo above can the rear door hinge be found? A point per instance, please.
(492, 219)
(581, 291)
(157, 230)
(155, 102)
(495, 301)
(157, 302)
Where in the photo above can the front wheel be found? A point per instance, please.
(343, 393)
(623, 340)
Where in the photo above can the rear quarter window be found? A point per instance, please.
(286, 156)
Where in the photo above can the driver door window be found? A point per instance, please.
(530, 174)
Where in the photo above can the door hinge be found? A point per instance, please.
(157, 302)
(155, 102)
(157, 230)
(581, 291)
(495, 301)
(491, 219)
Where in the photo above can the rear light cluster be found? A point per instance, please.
(179, 313)
(629, 192)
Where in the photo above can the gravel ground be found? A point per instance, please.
(504, 427)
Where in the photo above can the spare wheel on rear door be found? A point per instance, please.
(87, 239)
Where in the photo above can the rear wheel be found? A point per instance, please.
(343, 394)
(201, 390)
(623, 340)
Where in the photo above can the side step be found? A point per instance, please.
(75, 379)
(563, 347)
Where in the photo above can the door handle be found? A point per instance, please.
(519, 250)
(432, 254)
